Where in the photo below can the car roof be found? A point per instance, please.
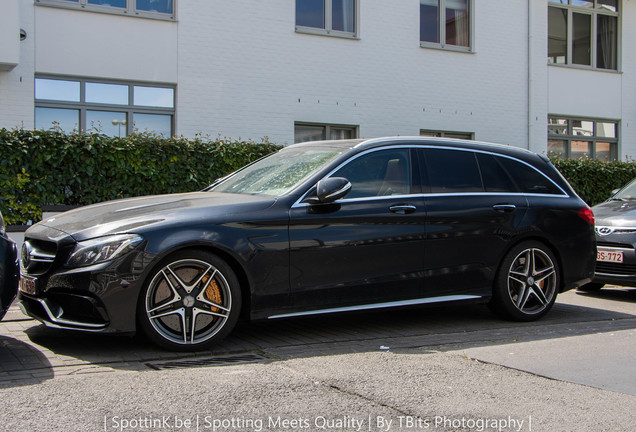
(368, 143)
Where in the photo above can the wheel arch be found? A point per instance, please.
(540, 239)
(230, 259)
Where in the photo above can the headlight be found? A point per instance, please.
(102, 249)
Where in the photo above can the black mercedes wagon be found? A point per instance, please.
(316, 228)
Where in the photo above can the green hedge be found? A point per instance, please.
(40, 168)
(49, 168)
(594, 180)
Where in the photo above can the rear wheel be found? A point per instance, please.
(191, 301)
(527, 283)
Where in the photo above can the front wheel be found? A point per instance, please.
(527, 283)
(190, 301)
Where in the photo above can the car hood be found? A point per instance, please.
(615, 213)
(135, 215)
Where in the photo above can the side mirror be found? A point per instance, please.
(328, 190)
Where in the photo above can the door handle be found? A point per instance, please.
(504, 207)
(403, 208)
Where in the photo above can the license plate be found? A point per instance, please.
(27, 285)
(605, 255)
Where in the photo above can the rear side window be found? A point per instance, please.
(495, 177)
(452, 171)
(528, 179)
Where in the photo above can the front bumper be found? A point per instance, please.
(99, 298)
(616, 273)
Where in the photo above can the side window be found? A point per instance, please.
(452, 171)
(495, 177)
(528, 179)
(379, 173)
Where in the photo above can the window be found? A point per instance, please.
(109, 108)
(583, 33)
(446, 24)
(318, 132)
(327, 17)
(494, 176)
(447, 134)
(162, 9)
(528, 179)
(379, 173)
(452, 171)
(570, 138)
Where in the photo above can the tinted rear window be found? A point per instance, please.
(452, 171)
(528, 179)
(495, 177)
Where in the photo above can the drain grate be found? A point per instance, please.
(209, 361)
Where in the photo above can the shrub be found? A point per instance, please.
(40, 167)
(594, 180)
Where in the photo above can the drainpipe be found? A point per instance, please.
(530, 78)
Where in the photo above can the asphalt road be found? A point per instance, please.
(442, 368)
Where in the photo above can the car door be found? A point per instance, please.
(367, 247)
(474, 210)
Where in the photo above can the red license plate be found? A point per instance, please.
(27, 285)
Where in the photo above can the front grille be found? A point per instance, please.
(615, 268)
(615, 245)
(38, 256)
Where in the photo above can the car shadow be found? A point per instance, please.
(432, 327)
(616, 293)
(22, 364)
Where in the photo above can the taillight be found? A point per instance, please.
(587, 215)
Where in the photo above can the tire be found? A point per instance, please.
(527, 283)
(591, 287)
(190, 301)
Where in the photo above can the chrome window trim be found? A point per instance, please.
(300, 204)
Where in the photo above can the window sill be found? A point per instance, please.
(323, 32)
(108, 10)
(445, 47)
(585, 68)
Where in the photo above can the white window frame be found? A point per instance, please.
(328, 30)
(569, 135)
(327, 128)
(129, 10)
(447, 134)
(130, 109)
(442, 30)
(593, 12)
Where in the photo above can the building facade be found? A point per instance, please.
(547, 75)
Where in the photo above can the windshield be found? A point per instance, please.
(627, 193)
(279, 173)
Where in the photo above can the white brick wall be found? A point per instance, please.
(16, 85)
(253, 76)
(243, 72)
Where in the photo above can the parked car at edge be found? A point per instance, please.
(616, 240)
(317, 228)
(8, 270)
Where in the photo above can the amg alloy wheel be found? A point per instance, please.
(191, 301)
(527, 284)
